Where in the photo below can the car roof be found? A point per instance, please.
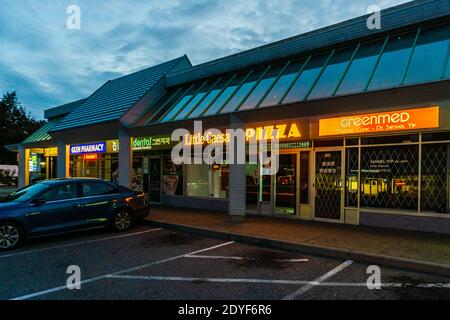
(61, 180)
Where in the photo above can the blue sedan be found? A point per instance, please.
(66, 205)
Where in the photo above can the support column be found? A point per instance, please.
(63, 160)
(236, 182)
(24, 157)
(125, 159)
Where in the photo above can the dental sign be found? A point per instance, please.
(412, 119)
(99, 147)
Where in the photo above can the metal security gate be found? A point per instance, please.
(328, 185)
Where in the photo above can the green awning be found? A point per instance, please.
(42, 134)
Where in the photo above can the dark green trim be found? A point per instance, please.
(346, 69)
(189, 101)
(273, 84)
(202, 99)
(147, 110)
(220, 93)
(376, 63)
(175, 103)
(413, 49)
(164, 105)
(234, 92)
(447, 61)
(252, 89)
(294, 80)
(319, 75)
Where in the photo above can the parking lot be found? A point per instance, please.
(149, 263)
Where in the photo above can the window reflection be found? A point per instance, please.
(432, 45)
(389, 177)
(332, 74)
(225, 95)
(261, 89)
(359, 72)
(283, 84)
(243, 91)
(181, 103)
(392, 65)
(306, 79)
(208, 99)
(198, 97)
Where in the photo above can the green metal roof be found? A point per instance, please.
(115, 97)
(42, 134)
(400, 58)
(54, 116)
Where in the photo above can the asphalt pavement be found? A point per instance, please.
(153, 263)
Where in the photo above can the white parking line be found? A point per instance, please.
(77, 243)
(316, 282)
(56, 289)
(269, 281)
(243, 258)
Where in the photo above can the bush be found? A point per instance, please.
(7, 177)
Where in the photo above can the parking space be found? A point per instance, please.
(162, 264)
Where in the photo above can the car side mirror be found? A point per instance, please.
(38, 202)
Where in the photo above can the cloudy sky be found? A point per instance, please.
(49, 65)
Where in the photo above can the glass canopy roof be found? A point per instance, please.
(395, 60)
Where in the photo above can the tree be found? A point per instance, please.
(15, 125)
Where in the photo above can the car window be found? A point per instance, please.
(25, 194)
(92, 189)
(61, 192)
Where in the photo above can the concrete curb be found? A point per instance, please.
(381, 260)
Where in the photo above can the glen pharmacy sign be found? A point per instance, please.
(412, 119)
(80, 149)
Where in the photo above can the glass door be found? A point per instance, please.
(328, 185)
(286, 185)
(155, 180)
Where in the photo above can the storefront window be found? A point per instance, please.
(137, 177)
(435, 178)
(304, 177)
(172, 183)
(351, 177)
(204, 180)
(252, 186)
(389, 177)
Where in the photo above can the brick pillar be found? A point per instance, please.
(125, 159)
(236, 182)
(63, 160)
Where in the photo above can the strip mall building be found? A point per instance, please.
(363, 118)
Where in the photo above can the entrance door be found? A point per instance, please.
(286, 185)
(328, 185)
(155, 180)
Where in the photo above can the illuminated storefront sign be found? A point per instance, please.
(81, 149)
(33, 163)
(150, 143)
(141, 143)
(51, 152)
(411, 119)
(90, 156)
(283, 131)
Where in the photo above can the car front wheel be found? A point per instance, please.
(122, 220)
(10, 235)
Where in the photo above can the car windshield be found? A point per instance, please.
(24, 194)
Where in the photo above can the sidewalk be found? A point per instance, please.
(409, 250)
